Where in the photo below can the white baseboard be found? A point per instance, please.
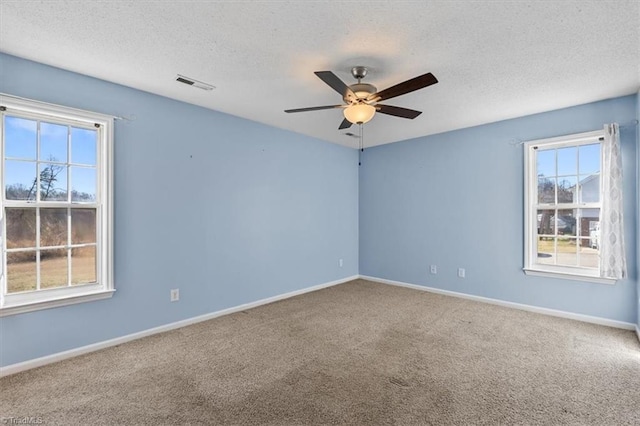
(49, 359)
(530, 308)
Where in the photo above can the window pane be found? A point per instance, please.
(83, 265)
(568, 161)
(21, 228)
(20, 180)
(83, 146)
(53, 268)
(567, 189)
(20, 138)
(53, 182)
(566, 252)
(21, 271)
(83, 182)
(566, 222)
(53, 227)
(546, 250)
(589, 156)
(83, 226)
(591, 226)
(53, 142)
(546, 163)
(589, 257)
(589, 188)
(546, 222)
(547, 190)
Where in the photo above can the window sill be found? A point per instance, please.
(567, 276)
(54, 303)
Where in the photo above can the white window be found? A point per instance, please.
(55, 208)
(563, 203)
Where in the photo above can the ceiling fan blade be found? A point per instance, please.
(318, 108)
(345, 124)
(405, 87)
(335, 83)
(398, 111)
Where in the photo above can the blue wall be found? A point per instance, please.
(260, 211)
(638, 206)
(456, 200)
(228, 210)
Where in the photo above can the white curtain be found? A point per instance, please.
(613, 262)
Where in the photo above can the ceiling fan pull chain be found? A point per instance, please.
(361, 146)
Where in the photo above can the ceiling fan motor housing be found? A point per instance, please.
(362, 91)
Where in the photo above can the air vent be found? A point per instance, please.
(351, 134)
(193, 82)
(184, 80)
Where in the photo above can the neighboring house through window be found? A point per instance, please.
(55, 206)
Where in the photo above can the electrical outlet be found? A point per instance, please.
(340, 263)
(433, 269)
(175, 295)
(461, 272)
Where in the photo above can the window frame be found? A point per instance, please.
(531, 206)
(11, 304)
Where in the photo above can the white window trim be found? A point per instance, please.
(530, 266)
(28, 302)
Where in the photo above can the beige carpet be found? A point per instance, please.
(357, 353)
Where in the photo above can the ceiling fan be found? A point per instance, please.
(361, 99)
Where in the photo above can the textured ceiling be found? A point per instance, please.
(494, 59)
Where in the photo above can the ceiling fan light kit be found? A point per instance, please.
(359, 113)
(361, 99)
